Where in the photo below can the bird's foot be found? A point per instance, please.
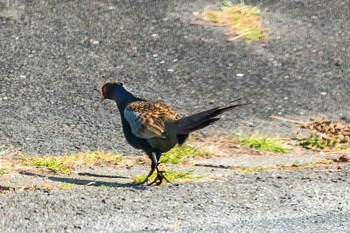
(159, 179)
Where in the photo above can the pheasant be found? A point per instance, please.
(155, 127)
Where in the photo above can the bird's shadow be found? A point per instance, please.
(87, 182)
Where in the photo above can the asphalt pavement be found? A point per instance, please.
(55, 56)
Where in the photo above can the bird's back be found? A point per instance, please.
(147, 119)
(150, 123)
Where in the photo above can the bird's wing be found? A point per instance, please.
(147, 119)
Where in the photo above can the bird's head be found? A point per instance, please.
(110, 90)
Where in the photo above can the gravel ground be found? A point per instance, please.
(282, 201)
(55, 55)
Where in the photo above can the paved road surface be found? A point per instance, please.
(56, 54)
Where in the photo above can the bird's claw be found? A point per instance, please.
(159, 179)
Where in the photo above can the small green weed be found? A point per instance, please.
(179, 153)
(263, 142)
(317, 142)
(104, 186)
(66, 186)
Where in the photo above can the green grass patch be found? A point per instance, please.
(171, 175)
(66, 186)
(180, 153)
(53, 163)
(104, 186)
(263, 142)
(241, 20)
(64, 164)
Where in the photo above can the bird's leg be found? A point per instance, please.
(154, 165)
(155, 161)
(160, 174)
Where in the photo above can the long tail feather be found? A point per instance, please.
(200, 120)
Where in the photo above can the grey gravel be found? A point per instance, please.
(55, 55)
(276, 201)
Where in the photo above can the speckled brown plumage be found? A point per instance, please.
(147, 119)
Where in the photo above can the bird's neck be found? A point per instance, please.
(123, 98)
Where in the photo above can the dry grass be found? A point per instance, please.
(65, 164)
(320, 162)
(242, 21)
(326, 135)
